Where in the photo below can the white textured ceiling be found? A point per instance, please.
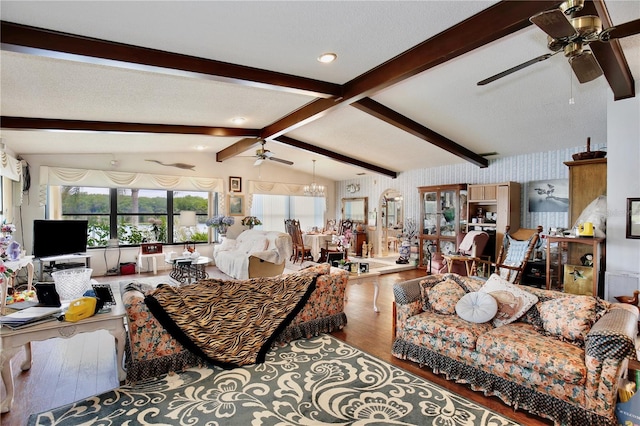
(528, 111)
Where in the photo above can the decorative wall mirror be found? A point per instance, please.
(391, 220)
(355, 209)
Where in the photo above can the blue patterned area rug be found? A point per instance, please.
(307, 382)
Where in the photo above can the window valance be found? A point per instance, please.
(10, 167)
(112, 179)
(275, 188)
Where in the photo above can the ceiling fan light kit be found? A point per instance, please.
(264, 154)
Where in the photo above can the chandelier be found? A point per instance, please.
(313, 189)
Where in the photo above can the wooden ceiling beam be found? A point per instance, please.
(27, 123)
(335, 156)
(491, 24)
(402, 122)
(55, 44)
(236, 149)
(610, 55)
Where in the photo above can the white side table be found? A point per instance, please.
(12, 341)
(154, 262)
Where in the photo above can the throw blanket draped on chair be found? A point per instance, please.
(231, 323)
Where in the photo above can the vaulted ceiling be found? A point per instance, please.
(169, 76)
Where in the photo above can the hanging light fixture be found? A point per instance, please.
(313, 189)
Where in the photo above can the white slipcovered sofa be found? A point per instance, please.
(254, 253)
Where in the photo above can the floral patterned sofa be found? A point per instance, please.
(152, 351)
(560, 359)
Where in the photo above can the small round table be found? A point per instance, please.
(187, 270)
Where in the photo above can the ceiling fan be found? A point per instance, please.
(571, 35)
(264, 154)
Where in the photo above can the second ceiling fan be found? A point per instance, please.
(264, 154)
(572, 35)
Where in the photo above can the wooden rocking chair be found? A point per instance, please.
(515, 253)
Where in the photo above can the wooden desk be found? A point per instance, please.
(12, 341)
(568, 256)
(355, 278)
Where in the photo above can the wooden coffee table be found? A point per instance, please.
(11, 341)
(355, 278)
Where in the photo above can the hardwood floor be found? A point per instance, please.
(66, 370)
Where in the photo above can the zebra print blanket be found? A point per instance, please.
(231, 322)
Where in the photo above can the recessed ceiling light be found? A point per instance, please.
(326, 58)
(201, 147)
(238, 120)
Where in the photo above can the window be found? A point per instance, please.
(134, 216)
(273, 210)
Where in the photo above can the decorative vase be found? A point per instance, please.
(222, 230)
(405, 249)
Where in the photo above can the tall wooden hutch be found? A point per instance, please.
(566, 270)
(443, 216)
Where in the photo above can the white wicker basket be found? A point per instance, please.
(72, 283)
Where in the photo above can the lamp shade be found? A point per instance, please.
(188, 218)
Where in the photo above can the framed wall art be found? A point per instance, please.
(236, 205)
(633, 217)
(235, 184)
(548, 195)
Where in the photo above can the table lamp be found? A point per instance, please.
(188, 221)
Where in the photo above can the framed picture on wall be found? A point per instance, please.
(235, 184)
(633, 217)
(548, 195)
(236, 205)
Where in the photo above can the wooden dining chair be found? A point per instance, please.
(300, 251)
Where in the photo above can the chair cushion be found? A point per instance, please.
(516, 252)
(477, 306)
(512, 301)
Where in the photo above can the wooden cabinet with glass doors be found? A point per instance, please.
(443, 216)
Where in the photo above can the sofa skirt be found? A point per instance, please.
(142, 370)
(513, 394)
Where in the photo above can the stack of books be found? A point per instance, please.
(29, 316)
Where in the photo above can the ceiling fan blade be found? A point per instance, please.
(555, 23)
(280, 160)
(516, 68)
(585, 66)
(621, 31)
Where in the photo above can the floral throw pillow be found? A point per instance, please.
(512, 301)
(444, 296)
(569, 318)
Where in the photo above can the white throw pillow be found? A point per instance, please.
(477, 307)
(513, 302)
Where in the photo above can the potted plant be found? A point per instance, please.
(221, 223)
